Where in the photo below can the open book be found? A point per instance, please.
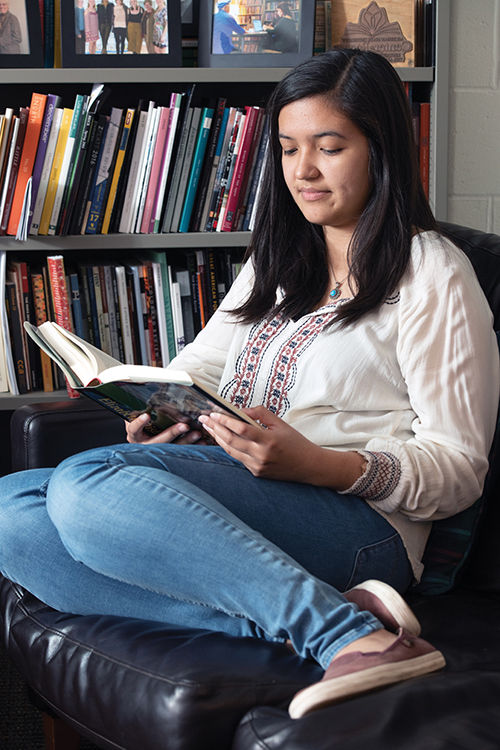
(168, 396)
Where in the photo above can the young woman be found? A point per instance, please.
(134, 27)
(160, 29)
(91, 26)
(148, 24)
(354, 335)
(120, 26)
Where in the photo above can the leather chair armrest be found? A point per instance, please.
(42, 435)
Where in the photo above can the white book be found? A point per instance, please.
(47, 166)
(175, 296)
(161, 316)
(136, 197)
(124, 315)
(175, 105)
(8, 168)
(149, 163)
(126, 219)
(7, 372)
(7, 117)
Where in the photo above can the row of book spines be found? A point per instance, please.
(77, 162)
(142, 312)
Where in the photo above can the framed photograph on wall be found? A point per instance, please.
(190, 15)
(260, 35)
(121, 34)
(20, 34)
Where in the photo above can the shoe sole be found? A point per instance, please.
(394, 602)
(326, 693)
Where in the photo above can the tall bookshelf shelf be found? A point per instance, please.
(239, 83)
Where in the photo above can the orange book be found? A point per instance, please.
(28, 155)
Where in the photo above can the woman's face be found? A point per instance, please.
(325, 160)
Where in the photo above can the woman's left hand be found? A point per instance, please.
(278, 452)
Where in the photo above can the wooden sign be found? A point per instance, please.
(387, 27)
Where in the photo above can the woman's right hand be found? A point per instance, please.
(180, 433)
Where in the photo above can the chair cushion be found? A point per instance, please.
(452, 539)
(127, 683)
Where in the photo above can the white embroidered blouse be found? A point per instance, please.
(415, 384)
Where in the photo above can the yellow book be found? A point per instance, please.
(55, 171)
(117, 171)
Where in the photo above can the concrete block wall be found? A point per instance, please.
(474, 115)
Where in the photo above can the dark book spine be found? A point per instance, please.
(83, 199)
(122, 184)
(119, 330)
(14, 316)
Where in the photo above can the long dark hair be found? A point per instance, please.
(290, 252)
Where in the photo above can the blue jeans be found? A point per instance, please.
(186, 535)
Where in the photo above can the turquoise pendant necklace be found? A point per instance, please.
(336, 289)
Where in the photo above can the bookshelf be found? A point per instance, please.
(129, 85)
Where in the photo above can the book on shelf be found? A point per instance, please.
(156, 162)
(27, 159)
(136, 165)
(38, 197)
(145, 175)
(71, 143)
(237, 183)
(161, 259)
(51, 106)
(125, 164)
(211, 150)
(194, 122)
(117, 171)
(179, 146)
(103, 171)
(40, 305)
(18, 270)
(60, 300)
(125, 314)
(424, 146)
(13, 168)
(5, 136)
(83, 201)
(55, 172)
(168, 396)
(164, 172)
(12, 305)
(218, 184)
(7, 374)
(196, 166)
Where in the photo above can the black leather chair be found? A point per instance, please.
(129, 684)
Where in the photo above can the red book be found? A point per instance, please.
(60, 300)
(21, 133)
(242, 160)
(28, 155)
(425, 127)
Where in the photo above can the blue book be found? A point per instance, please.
(76, 305)
(197, 163)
